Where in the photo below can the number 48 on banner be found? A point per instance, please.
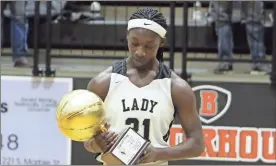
(10, 142)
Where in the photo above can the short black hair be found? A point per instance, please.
(156, 16)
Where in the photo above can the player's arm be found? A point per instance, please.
(184, 99)
(100, 86)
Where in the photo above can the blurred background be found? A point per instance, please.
(226, 44)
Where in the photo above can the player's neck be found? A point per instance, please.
(151, 65)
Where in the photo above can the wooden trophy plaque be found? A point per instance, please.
(128, 148)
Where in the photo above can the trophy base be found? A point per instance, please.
(111, 157)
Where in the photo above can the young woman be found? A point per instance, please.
(141, 92)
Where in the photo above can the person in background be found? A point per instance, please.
(19, 32)
(19, 13)
(253, 11)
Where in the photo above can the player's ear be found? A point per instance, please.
(163, 41)
(127, 34)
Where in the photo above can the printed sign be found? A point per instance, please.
(224, 143)
(29, 133)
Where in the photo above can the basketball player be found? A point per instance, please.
(141, 92)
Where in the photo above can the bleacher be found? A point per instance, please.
(110, 33)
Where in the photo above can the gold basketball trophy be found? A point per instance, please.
(80, 116)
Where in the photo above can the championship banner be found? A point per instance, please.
(29, 133)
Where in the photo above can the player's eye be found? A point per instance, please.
(135, 44)
(149, 47)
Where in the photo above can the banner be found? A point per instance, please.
(29, 133)
(233, 139)
(236, 144)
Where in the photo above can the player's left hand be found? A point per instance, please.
(150, 155)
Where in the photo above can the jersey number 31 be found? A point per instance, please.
(135, 126)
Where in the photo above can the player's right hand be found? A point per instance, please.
(105, 140)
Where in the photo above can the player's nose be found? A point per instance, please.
(140, 53)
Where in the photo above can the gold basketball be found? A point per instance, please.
(80, 115)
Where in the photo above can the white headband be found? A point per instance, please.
(147, 24)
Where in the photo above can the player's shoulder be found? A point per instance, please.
(181, 91)
(100, 83)
(102, 77)
(105, 76)
(179, 85)
(177, 80)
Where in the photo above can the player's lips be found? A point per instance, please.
(138, 60)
